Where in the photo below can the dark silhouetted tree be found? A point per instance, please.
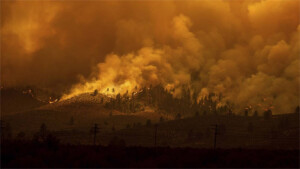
(246, 113)
(230, 113)
(95, 92)
(297, 110)
(178, 116)
(268, 114)
(72, 121)
(42, 134)
(118, 102)
(255, 113)
(148, 122)
(161, 119)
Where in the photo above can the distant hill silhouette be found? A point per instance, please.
(16, 100)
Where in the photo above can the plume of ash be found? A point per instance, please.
(253, 75)
(247, 51)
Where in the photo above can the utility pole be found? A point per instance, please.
(215, 139)
(95, 130)
(155, 135)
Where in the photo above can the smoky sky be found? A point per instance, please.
(246, 50)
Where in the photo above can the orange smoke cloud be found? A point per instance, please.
(246, 50)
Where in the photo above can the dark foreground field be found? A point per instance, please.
(29, 154)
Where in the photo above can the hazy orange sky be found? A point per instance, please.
(247, 50)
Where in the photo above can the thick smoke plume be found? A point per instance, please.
(248, 51)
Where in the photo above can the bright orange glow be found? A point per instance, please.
(245, 51)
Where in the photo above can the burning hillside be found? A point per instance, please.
(245, 51)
